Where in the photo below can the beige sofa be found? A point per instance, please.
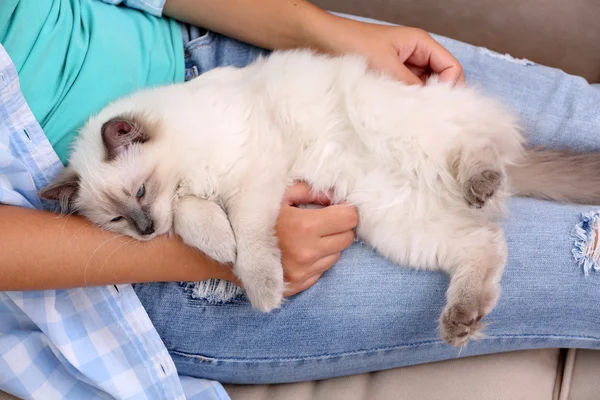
(558, 33)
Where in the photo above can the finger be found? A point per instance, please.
(402, 73)
(429, 53)
(295, 289)
(312, 275)
(302, 193)
(336, 243)
(335, 219)
(446, 66)
(299, 273)
(318, 269)
(421, 73)
(310, 282)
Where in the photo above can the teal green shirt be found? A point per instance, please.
(75, 56)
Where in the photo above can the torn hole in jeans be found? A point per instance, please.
(587, 242)
(508, 57)
(214, 291)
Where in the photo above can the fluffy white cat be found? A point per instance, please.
(426, 167)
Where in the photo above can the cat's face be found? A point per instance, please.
(126, 192)
(128, 198)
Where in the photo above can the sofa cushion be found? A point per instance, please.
(527, 375)
(580, 381)
(558, 33)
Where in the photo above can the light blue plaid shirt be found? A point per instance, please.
(82, 343)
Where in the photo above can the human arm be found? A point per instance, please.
(42, 250)
(409, 54)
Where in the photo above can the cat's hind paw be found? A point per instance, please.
(459, 324)
(481, 186)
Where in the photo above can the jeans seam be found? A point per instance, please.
(202, 303)
(327, 356)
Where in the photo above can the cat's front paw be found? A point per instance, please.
(481, 186)
(459, 324)
(266, 292)
(222, 247)
(263, 281)
(204, 225)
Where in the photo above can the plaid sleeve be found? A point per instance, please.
(85, 343)
(22, 162)
(154, 7)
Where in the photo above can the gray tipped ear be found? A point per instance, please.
(119, 133)
(63, 189)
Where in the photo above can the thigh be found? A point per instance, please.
(368, 314)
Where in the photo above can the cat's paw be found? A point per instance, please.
(266, 292)
(263, 281)
(459, 324)
(204, 225)
(222, 247)
(481, 186)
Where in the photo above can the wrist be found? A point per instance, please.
(181, 262)
(318, 29)
(336, 35)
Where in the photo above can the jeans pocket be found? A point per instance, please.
(203, 40)
(193, 52)
(213, 50)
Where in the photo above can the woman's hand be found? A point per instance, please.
(408, 54)
(311, 240)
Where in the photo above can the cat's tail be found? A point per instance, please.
(559, 175)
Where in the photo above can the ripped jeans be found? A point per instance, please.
(367, 314)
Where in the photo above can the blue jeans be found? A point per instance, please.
(367, 314)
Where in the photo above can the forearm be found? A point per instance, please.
(41, 250)
(271, 24)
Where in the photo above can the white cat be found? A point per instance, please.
(426, 167)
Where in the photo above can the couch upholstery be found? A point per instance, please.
(547, 374)
(558, 33)
(516, 375)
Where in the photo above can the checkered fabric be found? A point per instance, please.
(92, 343)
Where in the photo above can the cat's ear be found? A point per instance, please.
(63, 189)
(119, 133)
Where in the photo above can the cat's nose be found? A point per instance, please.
(149, 230)
(144, 225)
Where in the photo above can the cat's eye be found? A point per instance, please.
(116, 219)
(141, 191)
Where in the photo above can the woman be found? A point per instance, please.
(363, 315)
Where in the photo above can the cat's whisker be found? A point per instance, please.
(85, 268)
(81, 228)
(114, 251)
(62, 219)
(460, 349)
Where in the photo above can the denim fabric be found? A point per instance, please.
(367, 314)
